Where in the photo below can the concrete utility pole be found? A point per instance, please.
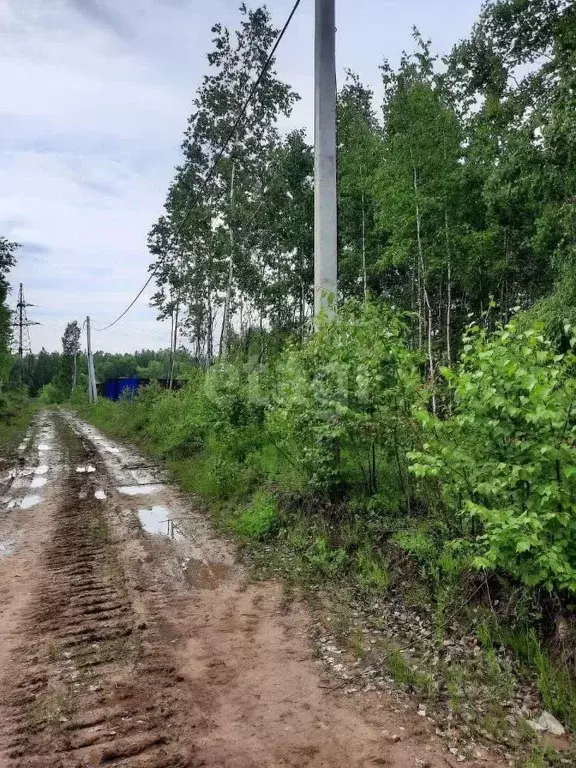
(91, 374)
(325, 200)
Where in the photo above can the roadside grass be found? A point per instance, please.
(14, 423)
(361, 555)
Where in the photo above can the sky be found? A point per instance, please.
(95, 97)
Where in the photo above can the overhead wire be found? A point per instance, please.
(219, 155)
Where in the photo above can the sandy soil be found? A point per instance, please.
(151, 648)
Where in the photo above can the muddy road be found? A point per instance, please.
(129, 635)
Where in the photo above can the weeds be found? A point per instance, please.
(259, 521)
(414, 680)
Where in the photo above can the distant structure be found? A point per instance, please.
(23, 324)
(114, 389)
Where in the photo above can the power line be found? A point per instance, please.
(219, 155)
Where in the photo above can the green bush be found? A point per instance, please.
(12, 403)
(505, 457)
(370, 570)
(50, 394)
(322, 560)
(177, 421)
(259, 521)
(342, 401)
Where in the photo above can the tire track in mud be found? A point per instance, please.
(91, 684)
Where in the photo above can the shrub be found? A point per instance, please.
(506, 457)
(260, 520)
(343, 400)
(50, 394)
(322, 560)
(12, 403)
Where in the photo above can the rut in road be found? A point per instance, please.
(125, 647)
(92, 687)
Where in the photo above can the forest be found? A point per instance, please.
(426, 433)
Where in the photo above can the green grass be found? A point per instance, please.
(244, 485)
(259, 521)
(13, 428)
(421, 683)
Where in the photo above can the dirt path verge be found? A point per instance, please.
(136, 649)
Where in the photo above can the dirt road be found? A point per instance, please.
(122, 645)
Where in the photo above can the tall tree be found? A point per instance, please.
(417, 186)
(7, 261)
(70, 350)
(361, 152)
(209, 266)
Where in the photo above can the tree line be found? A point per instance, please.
(59, 372)
(456, 194)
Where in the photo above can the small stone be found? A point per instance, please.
(548, 722)
(422, 710)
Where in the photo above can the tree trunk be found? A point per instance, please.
(364, 281)
(210, 332)
(424, 289)
(174, 345)
(171, 356)
(449, 297)
(225, 335)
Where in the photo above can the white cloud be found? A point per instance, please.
(96, 94)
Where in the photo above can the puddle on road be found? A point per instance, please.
(206, 575)
(38, 482)
(7, 548)
(99, 494)
(26, 502)
(86, 468)
(155, 519)
(41, 470)
(140, 490)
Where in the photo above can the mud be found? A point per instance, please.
(126, 647)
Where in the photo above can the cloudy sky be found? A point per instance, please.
(95, 96)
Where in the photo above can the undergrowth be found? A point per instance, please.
(331, 466)
(16, 413)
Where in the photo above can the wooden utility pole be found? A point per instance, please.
(325, 200)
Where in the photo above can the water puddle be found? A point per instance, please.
(86, 468)
(41, 470)
(99, 494)
(44, 447)
(7, 548)
(203, 575)
(25, 503)
(140, 490)
(38, 482)
(155, 520)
